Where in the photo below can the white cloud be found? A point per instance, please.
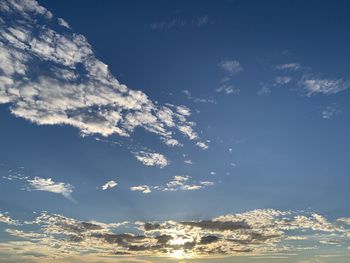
(53, 78)
(231, 66)
(202, 145)
(188, 161)
(178, 183)
(48, 185)
(324, 86)
(228, 90)
(63, 23)
(141, 188)
(109, 184)
(151, 159)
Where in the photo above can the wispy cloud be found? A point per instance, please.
(48, 185)
(228, 89)
(330, 111)
(180, 22)
(289, 66)
(231, 67)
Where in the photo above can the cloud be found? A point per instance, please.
(231, 67)
(289, 66)
(282, 80)
(264, 90)
(228, 90)
(141, 188)
(202, 145)
(151, 159)
(63, 23)
(180, 22)
(197, 100)
(324, 86)
(109, 184)
(262, 232)
(6, 219)
(178, 183)
(330, 111)
(48, 185)
(54, 78)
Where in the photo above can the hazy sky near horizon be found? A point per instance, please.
(163, 131)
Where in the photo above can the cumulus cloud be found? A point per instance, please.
(151, 159)
(178, 183)
(48, 185)
(54, 78)
(262, 232)
(109, 184)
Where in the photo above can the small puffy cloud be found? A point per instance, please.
(231, 67)
(141, 188)
(109, 184)
(151, 159)
(213, 173)
(48, 185)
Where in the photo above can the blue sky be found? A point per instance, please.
(230, 118)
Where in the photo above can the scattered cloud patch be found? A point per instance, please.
(197, 100)
(282, 80)
(262, 232)
(178, 183)
(330, 111)
(324, 86)
(51, 77)
(231, 67)
(109, 185)
(228, 90)
(151, 159)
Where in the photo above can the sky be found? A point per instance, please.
(174, 131)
